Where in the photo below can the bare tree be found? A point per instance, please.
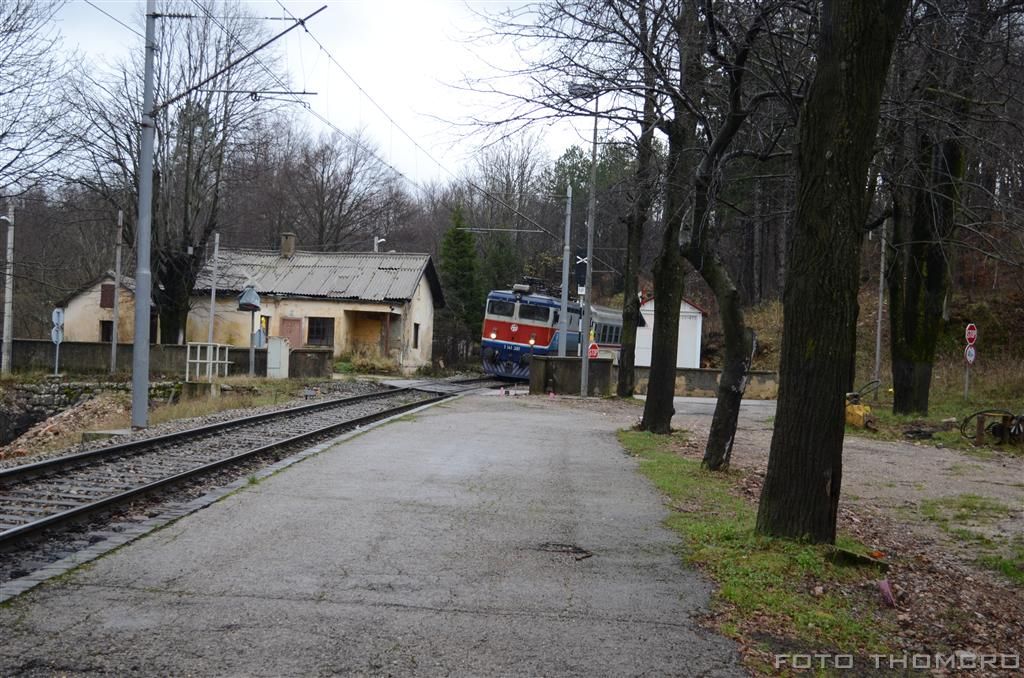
(32, 97)
(258, 204)
(339, 192)
(949, 110)
(194, 137)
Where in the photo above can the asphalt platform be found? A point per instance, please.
(487, 536)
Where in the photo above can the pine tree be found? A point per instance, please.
(459, 276)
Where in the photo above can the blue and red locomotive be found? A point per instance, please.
(520, 324)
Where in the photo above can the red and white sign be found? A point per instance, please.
(514, 327)
(592, 351)
(970, 354)
(971, 334)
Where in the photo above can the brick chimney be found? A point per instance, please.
(287, 245)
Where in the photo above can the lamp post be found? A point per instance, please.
(563, 319)
(591, 214)
(250, 301)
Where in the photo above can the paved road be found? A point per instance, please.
(422, 547)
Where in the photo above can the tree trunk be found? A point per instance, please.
(700, 252)
(668, 288)
(838, 124)
(919, 278)
(739, 345)
(630, 317)
(640, 210)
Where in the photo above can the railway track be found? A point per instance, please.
(50, 508)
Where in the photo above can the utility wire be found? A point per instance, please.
(295, 99)
(235, 62)
(472, 184)
(415, 143)
(111, 16)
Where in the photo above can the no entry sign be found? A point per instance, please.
(971, 334)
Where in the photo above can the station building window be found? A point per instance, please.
(320, 332)
(107, 330)
(107, 295)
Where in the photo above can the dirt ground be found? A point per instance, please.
(901, 478)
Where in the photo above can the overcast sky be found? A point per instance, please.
(403, 53)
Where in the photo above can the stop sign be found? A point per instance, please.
(971, 334)
(592, 350)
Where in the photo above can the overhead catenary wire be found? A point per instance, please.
(415, 143)
(317, 115)
(355, 141)
(114, 18)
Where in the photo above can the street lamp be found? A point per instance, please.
(585, 334)
(250, 301)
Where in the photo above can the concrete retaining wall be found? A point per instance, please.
(23, 405)
(86, 357)
(562, 375)
(703, 382)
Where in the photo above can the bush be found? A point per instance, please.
(365, 361)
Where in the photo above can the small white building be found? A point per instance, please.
(691, 324)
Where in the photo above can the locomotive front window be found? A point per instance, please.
(535, 313)
(506, 309)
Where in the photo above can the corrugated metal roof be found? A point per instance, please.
(365, 276)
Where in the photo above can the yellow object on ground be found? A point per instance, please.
(859, 416)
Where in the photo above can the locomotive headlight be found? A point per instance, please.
(533, 339)
(494, 334)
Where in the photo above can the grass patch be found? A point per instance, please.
(1010, 566)
(248, 392)
(964, 508)
(960, 516)
(763, 583)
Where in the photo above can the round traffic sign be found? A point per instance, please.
(971, 334)
(56, 335)
(592, 351)
(970, 354)
(57, 316)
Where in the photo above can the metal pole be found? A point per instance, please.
(563, 319)
(9, 291)
(881, 300)
(252, 343)
(143, 282)
(213, 303)
(117, 290)
(591, 213)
